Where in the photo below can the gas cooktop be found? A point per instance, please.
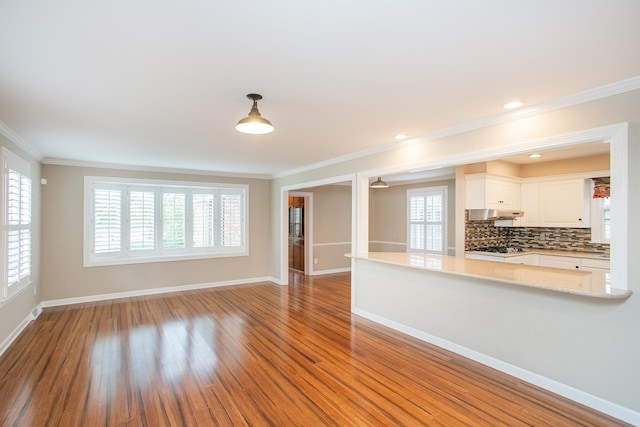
(499, 249)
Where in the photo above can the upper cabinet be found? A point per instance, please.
(529, 202)
(492, 192)
(564, 203)
(558, 203)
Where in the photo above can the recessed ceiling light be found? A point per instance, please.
(513, 104)
(535, 155)
(401, 136)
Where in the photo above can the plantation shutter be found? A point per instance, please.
(107, 220)
(203, 221)
(426, 220)
(173, 220)
(141, 220)
(416, 223)
(231, 220)
(434, 222)
(17, 222)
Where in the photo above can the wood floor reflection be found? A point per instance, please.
(253, 355)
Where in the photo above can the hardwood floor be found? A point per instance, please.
(253, 355)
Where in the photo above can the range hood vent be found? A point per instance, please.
(492, 214)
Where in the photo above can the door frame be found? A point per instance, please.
(284, 220)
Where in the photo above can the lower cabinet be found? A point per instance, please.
(575, 263)
(556, 261)
(485, 257)
(560, 262)
(590, 264)
(529, 259)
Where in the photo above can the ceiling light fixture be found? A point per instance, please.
(379, 184)
(400, 136)
(513, 104)
(254, 123)
(535, 155)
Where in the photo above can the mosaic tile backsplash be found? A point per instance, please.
(482, 234)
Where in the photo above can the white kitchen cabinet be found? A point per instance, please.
(561, 203)
(528, 259)
(529, 204)
(571, 263)
(564, 203)
(492, 192)
(484, 257)
(590, 264)
(556, 261)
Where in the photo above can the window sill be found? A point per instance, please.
(20, 290)
(153, 259)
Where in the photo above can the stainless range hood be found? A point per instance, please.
(492, 214)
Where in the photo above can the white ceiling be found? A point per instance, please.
(162, 83)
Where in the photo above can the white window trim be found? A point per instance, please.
(439, 189)
(23, 167)
(91, 260)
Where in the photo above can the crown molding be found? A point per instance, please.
(98, 165)
(577, 98)
(20, 142)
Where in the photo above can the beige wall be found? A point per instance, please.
(62, 252)
(598, 162)
(388, 215)
(559, 167)
(331, 227)
(18, 308)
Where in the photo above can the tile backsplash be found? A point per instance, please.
(482, 234)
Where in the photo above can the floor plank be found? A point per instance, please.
(253, 355)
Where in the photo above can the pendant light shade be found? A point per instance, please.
(379, 184)
(254, 123)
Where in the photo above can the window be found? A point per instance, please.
(601, 220)
(426, 219)
(16, 224)
(131, 221)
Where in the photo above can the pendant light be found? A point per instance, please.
(379, 184)
(254, 123)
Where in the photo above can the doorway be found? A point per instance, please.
(296, 233)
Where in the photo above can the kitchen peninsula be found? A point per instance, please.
(592, 284)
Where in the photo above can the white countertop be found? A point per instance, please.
(579, 282)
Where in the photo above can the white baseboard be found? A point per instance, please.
(277, 281)
(331, 271)
(609, 408)
(153, 291)
(33, 315)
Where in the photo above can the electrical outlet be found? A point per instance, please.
(543, 236)
(315, 260)
(35, 291)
